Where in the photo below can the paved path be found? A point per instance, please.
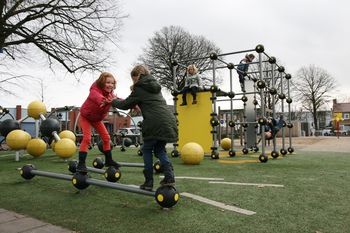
(11, 222)
(321, 143)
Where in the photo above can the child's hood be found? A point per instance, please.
(149, 84)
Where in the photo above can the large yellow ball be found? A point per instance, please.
(225, 143)
(65, 148)
(36, 147)
(67, 134)
(192, 153)
(17, 139)
(36, 108)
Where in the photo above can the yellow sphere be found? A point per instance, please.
(28, 135)
(36, 108)
(36, 147)
(67, 134)
(192, 153)
(65, 148)
(225, 143)
(52, 145)
(17, 139)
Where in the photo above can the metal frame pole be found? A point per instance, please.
(123, 187)
(175, 145)
(231, 112)
(289, 117)
(262, 104)
(273, 83)
(215, 142)
(282, 109)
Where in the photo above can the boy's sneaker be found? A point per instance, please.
(112, 163)
(82, 168)
(183, 104)
(194, 101)
(167, 182)
(148, 185)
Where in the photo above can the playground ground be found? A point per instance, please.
(14, 222)
(323, 143)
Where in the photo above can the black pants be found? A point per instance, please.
(193, 91)
(241, 82)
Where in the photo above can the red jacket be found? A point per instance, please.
(91, 108)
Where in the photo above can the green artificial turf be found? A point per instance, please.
(315, 196)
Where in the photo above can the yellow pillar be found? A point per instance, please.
(194, 121)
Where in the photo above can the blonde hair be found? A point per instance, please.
(101, 81)
(195, 69)
(139, 70)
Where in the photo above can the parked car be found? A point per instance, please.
(327, 132)
(341, 132)
(132, 133)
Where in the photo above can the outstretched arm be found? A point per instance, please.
(130, 102)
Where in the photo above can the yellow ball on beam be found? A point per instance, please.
(36, 147)
(225, 143)
(17, 139)
(67, 134)
(65, 148)
(36, 108)
(192, 153)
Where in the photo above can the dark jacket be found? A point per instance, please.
(158, 121)
(91, 108)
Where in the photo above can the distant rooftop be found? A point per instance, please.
(340, 107)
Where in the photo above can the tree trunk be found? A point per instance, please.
(315, 119)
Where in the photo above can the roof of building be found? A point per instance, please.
(341, 107)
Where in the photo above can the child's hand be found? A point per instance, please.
(106, 101)
(109, 100)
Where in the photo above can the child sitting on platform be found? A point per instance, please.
(192, 83)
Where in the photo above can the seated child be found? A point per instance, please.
(192, 83)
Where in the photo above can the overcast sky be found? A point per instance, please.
(297, 32)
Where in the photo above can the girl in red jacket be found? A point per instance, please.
(92, 112)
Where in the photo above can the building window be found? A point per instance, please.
(346, 116)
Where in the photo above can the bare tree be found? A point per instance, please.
(313, 84)
(72, 33)
(174, 43)
(10, 81)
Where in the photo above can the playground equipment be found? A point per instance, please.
(193, 120)
(225, 143)
(65, 147)
(166, 196)
(192, 153)
(99, 164)
(111, 173)
(18, 140)
(9, 125)
(36, 147)
(67, 134)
